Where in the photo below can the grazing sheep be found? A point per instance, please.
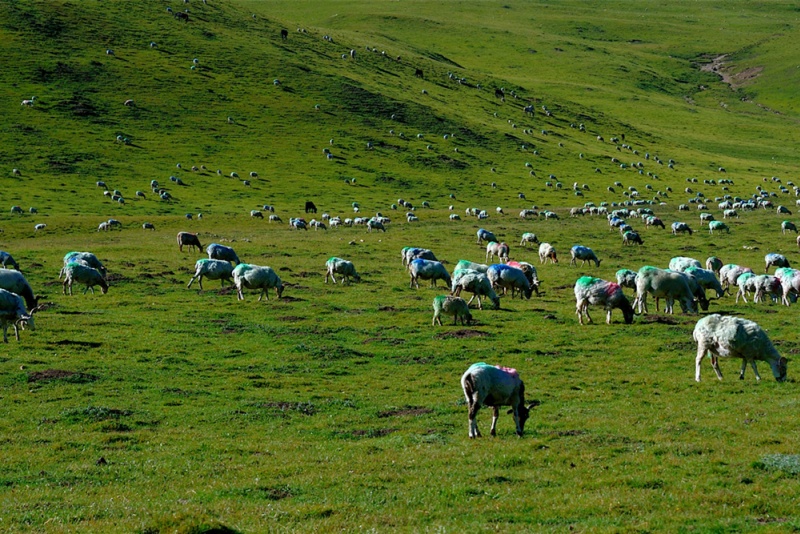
(790, 284)
(256, 214)
(733, 337)
(375, 224)
(729, 273)
(528, 237)
(530, 273)
(6, 259)
(455, 217)
(584, 254)
(706, 279)
(342, 267)
(506, 277)
(189, 240)
(298, 224)
(13, 313)
(485, 235)
(420, 269)
(730, 214)
(589, 290)
(775, 260)
(788, 226)
(410, 254)
(713, 263)
(247, 276)
(626, 278)
(213, 270)
(547, 252)
(719, 226)
(654, 221)
(86, 258)
(275, 218)
(494, 386)
(497, 249)
(664, 284)
(103, 227)
(681, 263)
(455, 306)
(148, 226)
(40, 226)
(15, 282)
(216, 251)
(630, 238)
(466, 264)
(476, 283)
(17, 210)
(767, 284)
(680, 227)
(83, 274)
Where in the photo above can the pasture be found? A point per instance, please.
(157, 408)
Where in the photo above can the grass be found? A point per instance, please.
(155, 408)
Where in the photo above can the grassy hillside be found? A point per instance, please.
(154, 408)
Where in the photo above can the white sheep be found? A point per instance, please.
(40, 226)
(664, 284)
(342, 267)
(448, 305)
(409, 254)
(547, 252)
(706, 279)
(494, 386)
(775, 260)
(530, 273)
(421, 269)
(728, 274)
(733, 337)
(497, 249)
(476, 283)
(485, 235)
(584, 254)
(375, 224)
(767, 284)
(631, 238)
(148, 226)
(13, 313)
(216, 251)
(213, 270)
(681, 263)
(246, 276)
(528, 237)
(87, 258)
(6, 259)
(83, 274)
(788, 226)
(626, 278)
(506, 277)
(590, 290)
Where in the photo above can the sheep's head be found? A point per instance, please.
(26, 321)
(104, 287)
(496, 302)
(524, 413)
(780, 368)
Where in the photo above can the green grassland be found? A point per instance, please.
(154, 408)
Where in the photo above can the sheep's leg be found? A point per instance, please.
(64, 287)
(608, 316)
(755, 370)
(16, 331)
(473, 413)
(701, 353)
(715, 365)
(435, 316)
(5, 332)
(495, 416)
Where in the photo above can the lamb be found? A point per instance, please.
(420, 269)
(466, 264)
(733, 337)
(584, 254)
(216, 251)
(681, 263)
(342, 267)
(719, 226)
(626, 278)
(246, 276)
(503, 276)
(189, 240)
(87, 258)
(476, 283)
(485, 235)
(775, 260)
(713, 263)
(528, 237)
(15, 282)
(706, 279)
(530, 273)
(13, 313)
(497, 249)
(664, 284)
(630, 238)
(494, 386)
(589, 290)
(455, 306)
(83, 274)
(213, 270)
(547, 252)
(6, 259)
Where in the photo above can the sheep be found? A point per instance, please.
(497, 249)
(148, 226)
(420, 269)
(40, 226)
(103, 227)
(189, 240)
(630, 238)
(15, 282)
(734, 337)
(767, 284)
(448, 305)
(375, 224)
(790, 284)
(713, 263)
(466, 264)
(216, 251)
(706, 217)
(730, 214)
(728, 274)
(298, 224)
(6, 259)
(788, 226)
(83, 274)
(86, 258)
(213, 270)
(246, 276)
(455, 217)
(775, 260)
(409, 254)
(316, 225)
(584, 254)
(13, 313)
(547, 252)
(494, 386)
(528, 237)
(275, 218)
(681, 263)
(485, 235)
(654, 221)
(706, 279)
(590, 290)
(745, 283)
(530, 273)
(255, 214)
(342, 267)
(17, 210)
(719, 226)
(626, 278)
(506, 277)
(476, 283)
(664, 284)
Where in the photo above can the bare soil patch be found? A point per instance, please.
(462, 334)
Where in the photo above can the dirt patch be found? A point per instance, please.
(87, 344)
(44, 306)
(114, 278)
(660, 319)
(406, 410)
(566, 433)
(462, 334)
(387, 309)
(735, 80)
(60, 374)
(291, 299)
(373, 433)
(291, 318)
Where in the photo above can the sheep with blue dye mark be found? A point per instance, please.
(216, 251)
(83, 274)
(246, 276)
(594, 291)
(341, 267)
(477, 283)
(495, 386)
(584, 254)
(485, 235)
(213, 270)
(505, 277)
(733, 337)
(6, 259)
(410, 254)
(13, 313)
(87, 258)
(448, 305)
(420, 269)
(775, 260)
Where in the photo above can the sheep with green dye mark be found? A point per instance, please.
(466, 264)
(341, 267)
(594, 291)
(83, 274)
(487, 385)
(13, 313)
(477, 283)
(719, 226)
(529, 237)
(246, 276)
(87, 258)
(448, 305)
(681, 263)
(626, 278)
(213, 270)
(706, 279)
(728, 274)
(734, 337)
(420, 269)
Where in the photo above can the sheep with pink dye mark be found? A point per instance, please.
(590, 290)
(495, 386)
(497, 249)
